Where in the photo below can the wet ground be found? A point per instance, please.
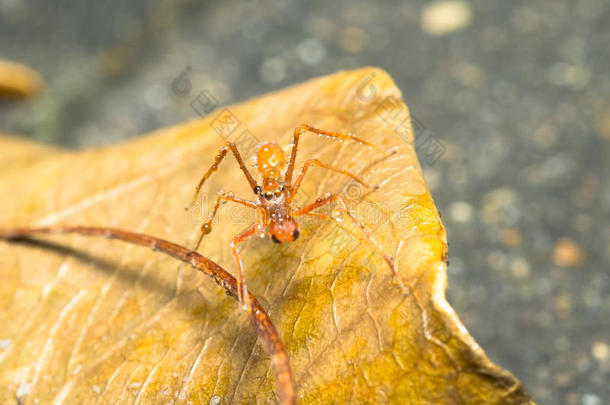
(516, 92)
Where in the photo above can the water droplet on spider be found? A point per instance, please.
(230, 194)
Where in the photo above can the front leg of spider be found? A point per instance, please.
(300, 130)
(222, 152)
(207, 226)
(365, 237)
(316, 162)
(242, 288)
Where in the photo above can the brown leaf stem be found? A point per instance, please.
(260, 319)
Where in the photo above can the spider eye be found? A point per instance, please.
(257, 190)
(278, 192)
(268, 196)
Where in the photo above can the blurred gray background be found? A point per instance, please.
(517, 93)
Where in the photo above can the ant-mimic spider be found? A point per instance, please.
(275, 213)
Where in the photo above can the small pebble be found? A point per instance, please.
(571, 398)
(273, 70)
(600, 351)
(591, 399)
(603, 124)
(563, 304)
(444, 17)
(562, 378)
(567, 253)
(311, 51)
(353, 39)
(572, 76)
(461, 211)
(432, 177)
(510, 237)
(520, 268)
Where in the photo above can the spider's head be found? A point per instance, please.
(271, 190)
(285, 230)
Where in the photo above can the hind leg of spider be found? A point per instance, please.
(365, 237)
(242, 289)
(300, 130)
(222, 152)
(207, 226)
(316, 162)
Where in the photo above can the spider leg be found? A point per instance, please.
(367, 238)
(207, 226)
(300, 130)
(222, 152)
(242, 289)
(316, 162)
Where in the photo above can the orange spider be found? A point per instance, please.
(275, 215)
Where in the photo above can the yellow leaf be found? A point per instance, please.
(88, 320)
(18, 81)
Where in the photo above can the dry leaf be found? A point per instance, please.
(18, 81)
(88, 320)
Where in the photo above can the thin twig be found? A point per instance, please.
(260, 320)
